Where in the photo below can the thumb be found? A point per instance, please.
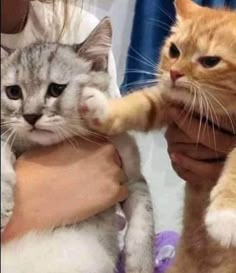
(123, 194)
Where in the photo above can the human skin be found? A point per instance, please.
(195, 156)
(63, 184)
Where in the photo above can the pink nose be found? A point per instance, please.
(175, 75)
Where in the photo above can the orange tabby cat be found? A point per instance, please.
(197, 69)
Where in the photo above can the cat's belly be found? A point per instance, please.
(79, 248)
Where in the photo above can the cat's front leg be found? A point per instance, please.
(7, 182)
(142, 111)
(139, 239)
(221, 215)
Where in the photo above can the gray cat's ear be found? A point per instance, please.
(5, 52)
(97, 46)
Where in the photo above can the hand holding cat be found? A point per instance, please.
(61, 185)
(192, 161)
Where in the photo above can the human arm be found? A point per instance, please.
(64, 184)
(198, 162)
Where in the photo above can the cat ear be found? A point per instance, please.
(184, 8)
(5, 52)
(97, 46)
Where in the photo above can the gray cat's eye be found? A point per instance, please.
(209, 61)
(55, 90)
(14, 92)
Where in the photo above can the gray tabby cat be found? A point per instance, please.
(42, 87)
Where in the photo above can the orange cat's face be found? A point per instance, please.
(198, 61)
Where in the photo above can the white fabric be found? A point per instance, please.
(45, 23)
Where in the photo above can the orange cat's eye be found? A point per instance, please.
(174, 51)
(209, 61)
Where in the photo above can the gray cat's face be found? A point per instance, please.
(41, 86)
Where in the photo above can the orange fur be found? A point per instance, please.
(198, 32)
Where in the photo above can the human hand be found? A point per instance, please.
(197, 162)
(63, 184)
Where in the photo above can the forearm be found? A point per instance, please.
(13, 15)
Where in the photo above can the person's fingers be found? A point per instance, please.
(186, 175)
(179, 142)
(121, 177)
(123, 193)
(174, 134)
(201, 169)
(195, 151)
(202, 132)
(225, 122)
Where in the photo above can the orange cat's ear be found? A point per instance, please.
(184, 8)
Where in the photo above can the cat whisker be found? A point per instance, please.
(206, 109)
(165, 12)
(66, 136)
(204, 104)
(201, 117)
(223, 108)
(143, 57)
(159, 24)
(90, 132)
(133, 71)
(6, 132)
(141, 61)
(140, 82)
(9, 138)
(13, 140)
(76, 133)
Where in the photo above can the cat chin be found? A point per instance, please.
(44, 138)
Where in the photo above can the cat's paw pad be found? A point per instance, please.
(221, 226)
(94, 107)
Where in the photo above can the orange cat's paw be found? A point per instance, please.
(94, 108)
(221, 226)
(220, 219)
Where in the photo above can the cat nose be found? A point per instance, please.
(175, 75)
(32, 118)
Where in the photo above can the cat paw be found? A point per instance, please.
(7, 201)
(8, 180)
(221, 226)
(94, 108)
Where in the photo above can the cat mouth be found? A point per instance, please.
(179, 88)
(40, 131)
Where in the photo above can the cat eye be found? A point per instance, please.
(174, 51)
(14, 92)
(209, 61)
(55, 90)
